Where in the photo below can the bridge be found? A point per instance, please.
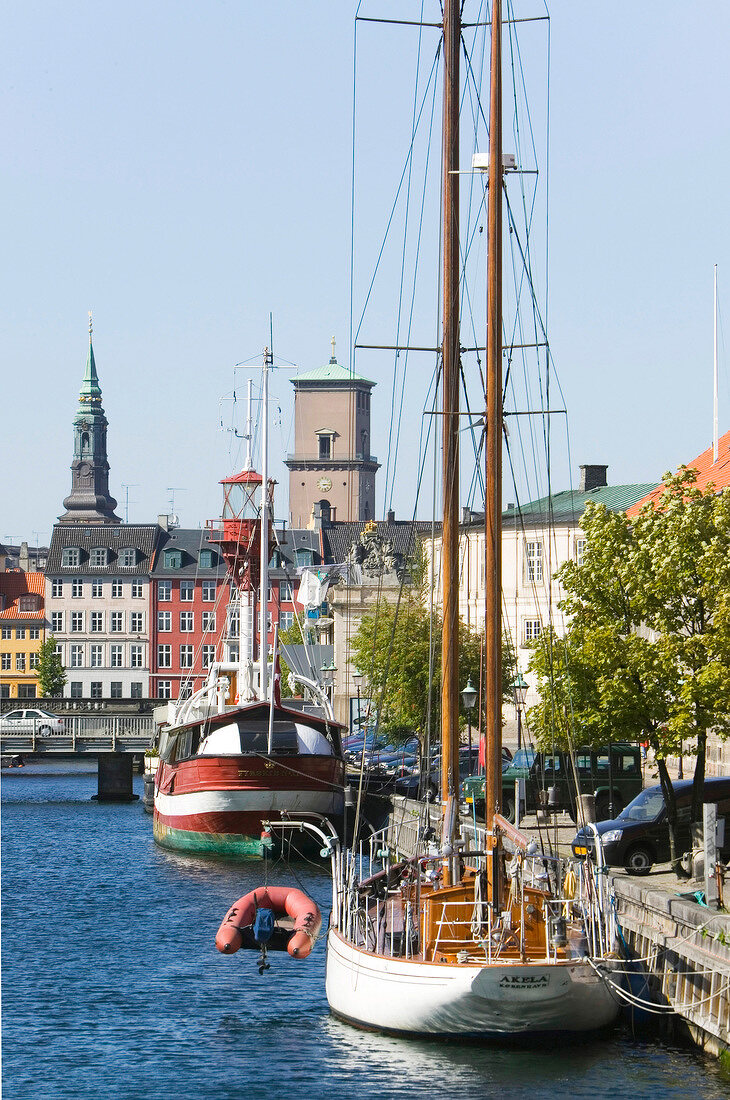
(114, 740)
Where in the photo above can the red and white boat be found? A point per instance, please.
(233, 755)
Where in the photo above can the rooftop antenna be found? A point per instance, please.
(126, 498)
(249, 432)
(715, 386)
(172, 489)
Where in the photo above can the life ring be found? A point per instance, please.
(284, 901)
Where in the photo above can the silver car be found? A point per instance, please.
(26, 721)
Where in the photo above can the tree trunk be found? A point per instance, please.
(698, 783)
(671, 804)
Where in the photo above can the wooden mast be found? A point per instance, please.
(450, 442)
(493, 493)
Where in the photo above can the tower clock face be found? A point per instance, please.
(324, 484)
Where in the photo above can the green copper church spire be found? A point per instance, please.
(90, 500)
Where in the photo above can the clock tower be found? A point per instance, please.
(89, 500)
(332, 465)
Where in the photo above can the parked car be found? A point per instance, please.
(26, 721)
(639, 836)
(614, 777)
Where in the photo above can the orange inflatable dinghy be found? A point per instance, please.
(283, 901)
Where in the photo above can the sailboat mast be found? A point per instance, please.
(715, 381)
(450, 443)
(493, 491)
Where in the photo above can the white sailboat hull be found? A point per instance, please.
(490, 1001)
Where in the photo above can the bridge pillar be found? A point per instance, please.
(115, 777)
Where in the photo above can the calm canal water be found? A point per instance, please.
(112, 987)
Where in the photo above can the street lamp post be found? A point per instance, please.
(519, 692)
(357, 677)
(468, 699)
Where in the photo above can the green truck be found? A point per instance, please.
(612, 774)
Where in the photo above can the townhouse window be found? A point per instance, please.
(186, 621)
(208, 622)
(20, 633)
(232, 624)
(580, 549)
(209, 591)
(127, 558)
(186, 656)
(187, 590)
(96, 656)
(186, 690)
(532, 630)
(286, 594)
(58, 650)
(71, 557)
(76, 690)
(164, 621)
(33, 659)
(76, 656)
(172, 559)
(77, 588)
(97, 590)
(286, 620)
(95, 692)
(206, 559)
(135, 689)
(98, 557)
(34, 633)
(164, 591)
(325, 446)
(164, 689)
(304, 556)
(77, 622)
(57, 588)
(116, 588)
(20, 662)
(116, 622)
(135, 656)
(26, 691)
(208, 655)
(57, 622)
(136, 621)
(5, 662)
(533, 561)
(31, 602)
(97, 622)
(164, 656)
(116, 689)
(136, 589)
(7, 632)
(116, 656)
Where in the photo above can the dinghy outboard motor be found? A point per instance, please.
(263, 930)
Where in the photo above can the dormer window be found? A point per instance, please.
(127, 557)
(173, 559)
(305, 556)
(99, 557)
(71, 557)
(206, 559)
(31, 602)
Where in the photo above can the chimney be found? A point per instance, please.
(24, 560)
(391, 516)
(592, 477)
(163, 521)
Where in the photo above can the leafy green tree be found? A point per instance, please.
(647, 653)
(50, 671)
(397, 647)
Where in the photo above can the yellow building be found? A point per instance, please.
(22, 629)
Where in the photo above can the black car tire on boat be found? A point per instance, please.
(639, 860)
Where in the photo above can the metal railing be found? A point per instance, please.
(97, 733)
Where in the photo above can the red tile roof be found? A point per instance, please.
(718, 473)
(15, 584)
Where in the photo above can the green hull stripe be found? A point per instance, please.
(224, 844)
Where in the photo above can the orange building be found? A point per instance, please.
(22, 629)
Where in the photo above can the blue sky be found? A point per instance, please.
(184, 170)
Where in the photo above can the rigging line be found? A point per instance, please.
(392, 445)
(434, 68)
